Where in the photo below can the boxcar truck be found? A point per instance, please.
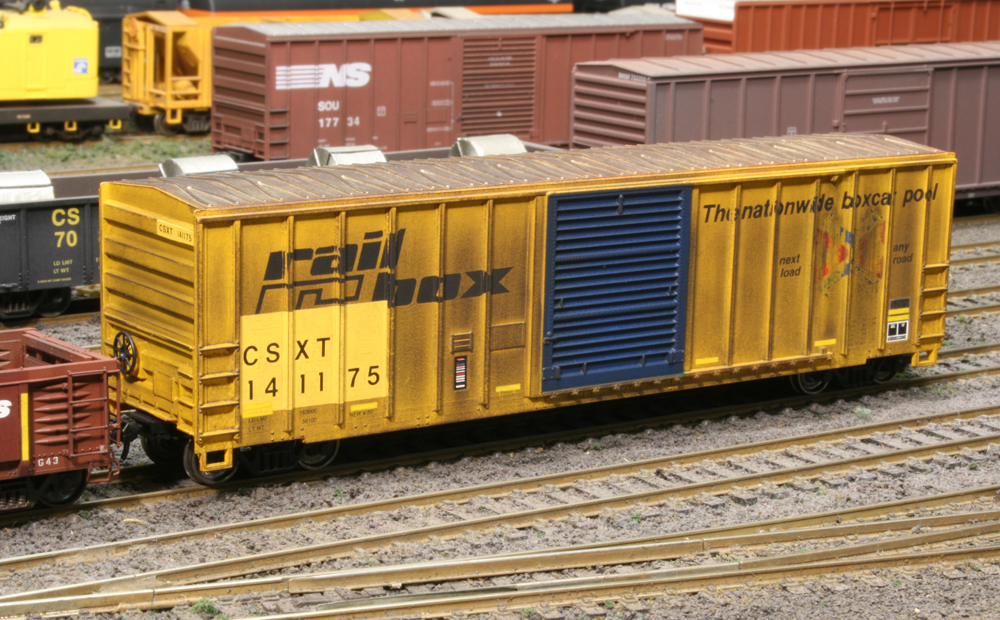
(262, 317)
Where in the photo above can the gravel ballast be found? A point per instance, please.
(963, 591)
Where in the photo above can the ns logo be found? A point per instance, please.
(5, 406)
(294, 77)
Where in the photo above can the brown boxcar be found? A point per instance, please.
(56, 422)
(781, 25)
(942, 95)
(282, 89)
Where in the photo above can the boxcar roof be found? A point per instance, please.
(307, 30)
(869, 57)
(398, 178)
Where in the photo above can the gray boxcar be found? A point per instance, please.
(942, 95)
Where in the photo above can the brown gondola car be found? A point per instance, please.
(281, 89)
(941, 95)
(57, 421)
(776, 25)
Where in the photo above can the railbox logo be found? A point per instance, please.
(331, 265)
(295, 77)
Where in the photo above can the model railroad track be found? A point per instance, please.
(117, 136)
(65, 319)
(529, 437)
(962, 301)
(787, 564)
(975, 310)
(628, 589)
(972, 292)
(979, 245)
(973, 220)
(898, 535)
(979, 259)
(735, 474)
(141, 473)
(893, 546)
(985, 251)
(109, 90)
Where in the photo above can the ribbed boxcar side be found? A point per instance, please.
(937, 95)
(281, 90)
(331, 303)
(779, 25)
(148, 286)
(814, 269)
(340, 316)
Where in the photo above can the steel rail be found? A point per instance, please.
(64, 319)
(635, 586)
(111, 137)
(139, 473)
(969, 292)
(979, 245)
(109, 90)
(502, 445)
(794, 523)
(286, 558)
(971, 220)
(973, 310)
(975, 260)
(648, 549)
(962, 352)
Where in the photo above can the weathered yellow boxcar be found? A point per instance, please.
(263, 312)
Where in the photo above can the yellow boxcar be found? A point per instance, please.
(167, 64)
(48, 54)
(263, 312)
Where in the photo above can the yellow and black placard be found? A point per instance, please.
(899, 320)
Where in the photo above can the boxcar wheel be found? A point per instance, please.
(318, 455)
(810, 382)
(144, 122)
(64, 488)
(162, 127)
(54, 302)
(206, 478)
(164, 450)
(886, 369)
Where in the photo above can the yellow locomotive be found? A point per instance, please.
(50, 72)
(262, 317)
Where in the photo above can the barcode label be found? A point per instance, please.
(461, 372)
